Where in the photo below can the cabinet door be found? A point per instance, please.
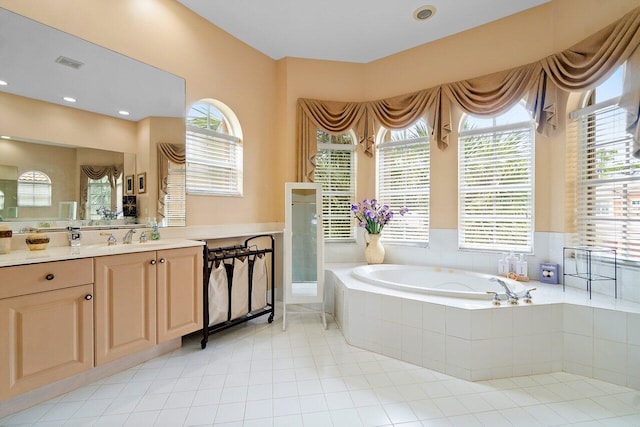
(45, 337)
(125, 305)
(179, 283)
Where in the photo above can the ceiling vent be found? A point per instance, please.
(63, 60)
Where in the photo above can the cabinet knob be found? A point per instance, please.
(152, 262)
(88, 297)
(50, 276)
(162, 260)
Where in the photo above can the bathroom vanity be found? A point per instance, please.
(67, 311)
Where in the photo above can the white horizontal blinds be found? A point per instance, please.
(175, 199)
(214, 157)
(34, 189)
(608, 188)
(335, 170)
(404, 181)
(213, 163)
(495, 186)
(98, 196)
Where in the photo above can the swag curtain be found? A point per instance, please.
(96, 172)
(580, 67)
(167, 152)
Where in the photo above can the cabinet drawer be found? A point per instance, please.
(46, 276)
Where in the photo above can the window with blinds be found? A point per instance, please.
(495, 182)
(98, 196)
(608, 184)
(214, 154)
(335, 170)
(403, 180)
(34, 189)
(175, 200)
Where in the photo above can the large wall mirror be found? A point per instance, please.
(68, 106)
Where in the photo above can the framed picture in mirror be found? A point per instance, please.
(129, 188)
(142, 183)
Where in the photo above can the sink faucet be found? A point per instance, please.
(128, 236)
(111, 240)
(512, 296)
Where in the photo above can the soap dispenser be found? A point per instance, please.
(503, 266)
(75, 236)
(522, 267)
(155, 234)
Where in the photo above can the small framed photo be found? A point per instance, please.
(142, 183)
(129, 182)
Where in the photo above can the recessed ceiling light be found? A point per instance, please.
(424, 12)
(5, 137)
(69, 99)
(123, 113)
(3, 83)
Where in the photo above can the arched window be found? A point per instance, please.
(213, 150)
(403, 180)
(34, 189)
(496, 182)
(608, 184)
(335, 170)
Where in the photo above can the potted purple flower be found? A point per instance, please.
(373, 216)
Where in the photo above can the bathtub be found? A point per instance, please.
(436, 281)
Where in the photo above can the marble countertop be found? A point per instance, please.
(61, 253)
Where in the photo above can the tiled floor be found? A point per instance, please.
(258, 375)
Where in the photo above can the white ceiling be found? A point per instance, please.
(106, 83)
(347, 30)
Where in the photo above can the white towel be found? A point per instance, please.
(240, 288)
(218, 295)
(259, 282)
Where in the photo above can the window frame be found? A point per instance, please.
(351, 147)
(32, 184)
(496, 245)
(381, 196)
(589, 182)
(206, 177)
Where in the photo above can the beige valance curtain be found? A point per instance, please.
(580, 67)
(167, 152)
(96, 172)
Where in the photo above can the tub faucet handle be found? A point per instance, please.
(527, 296)
(496, 298)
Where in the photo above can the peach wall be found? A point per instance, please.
(516, 40)
(263, 92)
(214, 64)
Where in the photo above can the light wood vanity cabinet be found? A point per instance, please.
(146, 298)
(61, 318)
(125, 307)
(179, 292)
(46, 318)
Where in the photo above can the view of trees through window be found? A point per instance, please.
(214, 152)
(496, 182)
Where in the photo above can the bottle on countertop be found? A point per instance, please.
(155, 234)
(511, 262)
(75, 236)
(522, 267)
(503, 266)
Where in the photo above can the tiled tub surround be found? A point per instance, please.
(443, 252)
(474, 340)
